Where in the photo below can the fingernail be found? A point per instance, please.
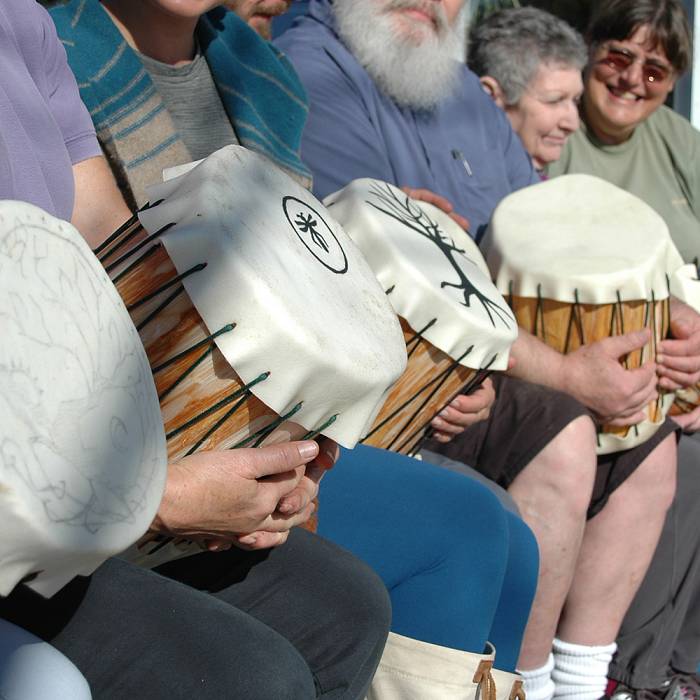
(443, 413)
(660, 359)
(308, 449)
(285, 507)
(248, 539)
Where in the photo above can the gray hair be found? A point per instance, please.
(510, 45)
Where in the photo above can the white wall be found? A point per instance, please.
(695, 101)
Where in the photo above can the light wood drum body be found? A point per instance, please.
(581, 260)
(456, 325)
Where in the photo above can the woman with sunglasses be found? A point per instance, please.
(637, 51)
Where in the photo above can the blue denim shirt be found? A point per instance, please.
(464, 150)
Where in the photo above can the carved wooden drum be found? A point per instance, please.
(580, 260)
(261, 320)
(456, 325)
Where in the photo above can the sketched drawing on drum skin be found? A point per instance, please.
(71, 383)
(315, 234)
(400, 207)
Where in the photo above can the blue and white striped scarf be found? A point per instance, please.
(260, 91)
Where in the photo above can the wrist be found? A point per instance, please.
(166, 520)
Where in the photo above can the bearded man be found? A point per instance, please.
(388, 100)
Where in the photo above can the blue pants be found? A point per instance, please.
(459, 568)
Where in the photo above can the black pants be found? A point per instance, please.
(662, 626)
(300, 621)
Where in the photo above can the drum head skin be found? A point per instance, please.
(82, 449)
(307, 308)
(579, 237)
(574, 250)
(434, 274)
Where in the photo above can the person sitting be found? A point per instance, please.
(388, 101)
(439, 597)
(132, 632)
(637, 52)
(530, 62)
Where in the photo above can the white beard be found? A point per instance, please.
(411, 62)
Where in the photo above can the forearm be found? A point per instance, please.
(536, 362)
(99, 207)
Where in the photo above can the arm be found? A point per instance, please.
(592, 374)
(99, 208)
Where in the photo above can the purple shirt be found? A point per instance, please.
(44, 127)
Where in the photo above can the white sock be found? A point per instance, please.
(537, 683)
(581, 672)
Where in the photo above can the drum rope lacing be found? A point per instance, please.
(114, 244)
(617, 327)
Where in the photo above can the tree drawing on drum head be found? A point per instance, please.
(400, 207)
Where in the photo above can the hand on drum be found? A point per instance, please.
(464, 411)
(593, 374)
(216, 496)
(298, 500)
(441, 203)
(679, 358)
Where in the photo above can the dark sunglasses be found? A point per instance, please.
(621, 59)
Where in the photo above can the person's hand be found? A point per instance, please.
(594, 375)
(678, 359)
(293, 503)
(463, 411)
(217, 496)
(441, 203)
(689, 422)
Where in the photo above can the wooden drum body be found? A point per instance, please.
(456, 325)
(245, 295)
(581, 260)
(568, 326)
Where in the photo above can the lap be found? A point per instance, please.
(157, 637)
(524, 419)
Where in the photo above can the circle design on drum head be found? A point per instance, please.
(316, 235)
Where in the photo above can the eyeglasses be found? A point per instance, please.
(622, 59)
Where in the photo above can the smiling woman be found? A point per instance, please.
(638, 49)
(530, 63)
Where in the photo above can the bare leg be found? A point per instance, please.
(553, 493)
(617, 548)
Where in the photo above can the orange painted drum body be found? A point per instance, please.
(244, 293)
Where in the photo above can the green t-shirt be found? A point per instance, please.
(660, 164)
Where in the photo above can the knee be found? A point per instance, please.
(651, 488)
(564, 471)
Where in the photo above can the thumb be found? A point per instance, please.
(278, 459)
(619, 345)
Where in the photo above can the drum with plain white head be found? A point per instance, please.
(581, 259)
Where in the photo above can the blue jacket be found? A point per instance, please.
(464, 150)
